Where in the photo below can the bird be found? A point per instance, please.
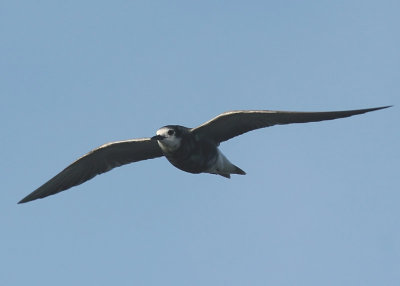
(193, 150)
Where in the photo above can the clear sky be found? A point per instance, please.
(320, 202)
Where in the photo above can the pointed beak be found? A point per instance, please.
(157, 137)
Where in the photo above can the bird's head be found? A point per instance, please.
(169, 137)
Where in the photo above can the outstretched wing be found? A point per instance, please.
(97, 161)
(233, 123)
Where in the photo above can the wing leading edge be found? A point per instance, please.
(233, 123)
(97, 161)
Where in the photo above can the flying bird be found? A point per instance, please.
(193, 150)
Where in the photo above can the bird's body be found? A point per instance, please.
(194, 150)
(194, 154)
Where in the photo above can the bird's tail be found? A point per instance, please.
(239, 171)
(224, 167)
(235, 170)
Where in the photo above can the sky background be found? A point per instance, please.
(320, 202)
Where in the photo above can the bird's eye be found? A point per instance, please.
(171, 132)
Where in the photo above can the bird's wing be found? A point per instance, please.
(233, 123)
(97, 161)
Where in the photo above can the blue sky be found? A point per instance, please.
(320, 202)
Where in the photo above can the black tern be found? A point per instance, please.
(194, 150)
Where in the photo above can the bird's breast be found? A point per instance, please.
(193, 156)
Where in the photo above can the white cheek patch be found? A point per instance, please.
(163, 132)
(170, 143)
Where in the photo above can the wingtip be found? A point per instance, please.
(374, 108)
(23, 201)
(26, 199)
(383, 107)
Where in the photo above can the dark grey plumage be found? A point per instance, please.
(196, 154)
(233, 123)
(97, 161)
(192, 150)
